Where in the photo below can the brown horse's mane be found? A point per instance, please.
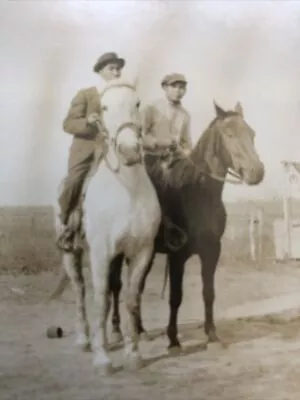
(181, 170)
(187, 170)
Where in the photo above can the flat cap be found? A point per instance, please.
(172, 78)
(107, 58)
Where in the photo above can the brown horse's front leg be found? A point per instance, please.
(209, 255)
(176, 272)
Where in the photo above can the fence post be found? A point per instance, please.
(286, 213)
(255, 235)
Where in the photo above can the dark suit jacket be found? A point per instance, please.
(85, 102)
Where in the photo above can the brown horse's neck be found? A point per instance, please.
(207, 154)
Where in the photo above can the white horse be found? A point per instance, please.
(121, 215)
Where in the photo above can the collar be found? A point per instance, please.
(173, 105)
(101, 84)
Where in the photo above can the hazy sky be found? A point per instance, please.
(229, 51)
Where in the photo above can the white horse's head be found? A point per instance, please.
(121, 117)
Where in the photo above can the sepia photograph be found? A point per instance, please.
(150, 200)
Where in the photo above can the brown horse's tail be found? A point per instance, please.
(60, 287)
(162, 295)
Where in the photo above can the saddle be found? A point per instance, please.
(170, 236)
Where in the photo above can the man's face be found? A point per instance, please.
(175, 91)
(110, 71)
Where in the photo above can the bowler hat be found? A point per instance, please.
(107, 58)
(172, 78)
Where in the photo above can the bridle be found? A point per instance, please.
(112, 142)
(237, 181)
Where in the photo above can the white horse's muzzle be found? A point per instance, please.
(130, 155)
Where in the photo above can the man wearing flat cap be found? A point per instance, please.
(80, 121)
(166, 123)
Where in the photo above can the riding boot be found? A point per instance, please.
(70, 202)
(66, 235)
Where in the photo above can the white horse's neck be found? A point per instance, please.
(131, 178)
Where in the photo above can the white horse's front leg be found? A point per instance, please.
(100, 263)
(72, 263)
(137, 267)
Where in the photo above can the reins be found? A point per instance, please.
(238, 181)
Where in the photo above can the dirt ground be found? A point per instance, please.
(256, 316)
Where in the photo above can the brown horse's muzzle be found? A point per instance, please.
(253, 175)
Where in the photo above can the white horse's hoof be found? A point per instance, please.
(116, 337)
(85, 347)
(133, 362)
(84, 343)
(103, 365)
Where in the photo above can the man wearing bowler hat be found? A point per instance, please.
(80, 121)
(166, 125)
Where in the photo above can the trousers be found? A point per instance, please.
(72, 187)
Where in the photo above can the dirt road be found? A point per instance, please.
(261, 361)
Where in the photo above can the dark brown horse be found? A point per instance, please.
(191, 194)
(195, 204)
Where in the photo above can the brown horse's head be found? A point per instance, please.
(236, 145)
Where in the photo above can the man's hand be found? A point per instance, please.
(186, 152)
(93, 118)
(149, 142)
(101, 138)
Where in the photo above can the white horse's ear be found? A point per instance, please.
(219, 111)
(239, 108)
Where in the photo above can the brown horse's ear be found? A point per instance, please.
(239, 108)
(219, 111)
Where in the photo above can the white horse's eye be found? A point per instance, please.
(138, 104)
(104, 108)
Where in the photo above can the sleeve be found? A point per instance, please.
(146, 120)
(75, 122)
(185, 140)
(146, 123)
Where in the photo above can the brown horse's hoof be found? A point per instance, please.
(175, 351)
(216, 345)
(145, 336)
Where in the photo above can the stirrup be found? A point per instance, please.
(174, 237)
(65, 240)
